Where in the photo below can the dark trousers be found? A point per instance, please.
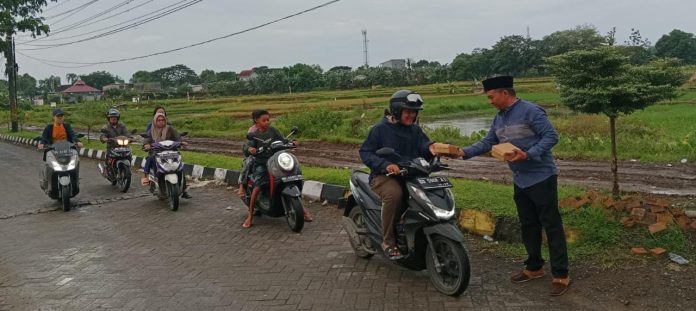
(390, 192)
(537, 208)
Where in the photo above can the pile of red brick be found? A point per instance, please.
(655, 213)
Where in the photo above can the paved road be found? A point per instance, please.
(135, 254)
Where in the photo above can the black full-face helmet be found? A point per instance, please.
(113, 112)
(404, 99)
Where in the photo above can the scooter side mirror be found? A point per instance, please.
(133, 131)
(36, 138)
(80, 135)
(104, 131)
(294, 130)
(183, 134)
(145, 135)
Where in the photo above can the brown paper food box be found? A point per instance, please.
(499, 150)
(446, 149)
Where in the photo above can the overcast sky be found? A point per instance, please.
(435, 30)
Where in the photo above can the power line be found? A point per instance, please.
(71, 12)
(87, 19)
(111, 32)
(63, 29)
(55, 6)
(85, 64)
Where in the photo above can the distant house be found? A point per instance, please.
(246, 75)
(197, 88)
(80, 91)
(140, 87)
(394, 64)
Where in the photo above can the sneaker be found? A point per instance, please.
(186, 195)
(559, 286)
(527, 275)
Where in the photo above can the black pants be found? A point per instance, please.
(537, 208)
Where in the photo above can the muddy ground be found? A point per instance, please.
(666, 179)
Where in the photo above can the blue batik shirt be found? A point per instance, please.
(526, 126)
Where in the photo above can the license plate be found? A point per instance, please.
(434, 182)
(292, 178)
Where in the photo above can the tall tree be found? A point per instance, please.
(26, 85)
(581, 37)
(71, 78)
(208, 76)
(176, 75)
(18, 16)
(677, 44)
(99, 79)
(603, 81)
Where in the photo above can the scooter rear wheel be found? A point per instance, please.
(362, 246)
(455, 272)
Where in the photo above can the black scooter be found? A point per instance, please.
(426, 233)
(118, 167)
(283, 196)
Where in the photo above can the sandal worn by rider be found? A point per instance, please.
(308, 216)
(393, 252)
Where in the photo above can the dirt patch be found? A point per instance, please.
(676, 179)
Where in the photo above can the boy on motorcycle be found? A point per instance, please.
(248, 159)
(114, 129)
(266, 133)
(399, 131)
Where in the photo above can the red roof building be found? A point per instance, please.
(247, 74)
(80, 91)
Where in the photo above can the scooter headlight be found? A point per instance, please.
(439, 212)
(60, 167)
(286, 161)
(122, 142)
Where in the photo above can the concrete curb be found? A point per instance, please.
(312, 190)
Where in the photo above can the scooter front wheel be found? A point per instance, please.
(451, 274)
(65, 197)
(294, 213)
(173, 196)
(124, 179)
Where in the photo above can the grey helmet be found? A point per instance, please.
(404, 99)
(113, 112)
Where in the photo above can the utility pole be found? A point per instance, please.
(364, 33)
(12, 82)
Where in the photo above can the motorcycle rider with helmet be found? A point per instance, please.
(113, 128)
(397, 130)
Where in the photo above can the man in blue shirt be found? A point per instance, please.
(526, 126)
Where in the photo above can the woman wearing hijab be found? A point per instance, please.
(160, 131)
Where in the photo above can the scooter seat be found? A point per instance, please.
(363, 182)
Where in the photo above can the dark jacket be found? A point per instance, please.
(269, 136)
(409, 142)
(114, 131)
(47, 135)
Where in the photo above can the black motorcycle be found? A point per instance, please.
(426, 233)
(118, 165)
(283, 196)
(60, 178)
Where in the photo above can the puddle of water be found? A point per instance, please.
(466, 126)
